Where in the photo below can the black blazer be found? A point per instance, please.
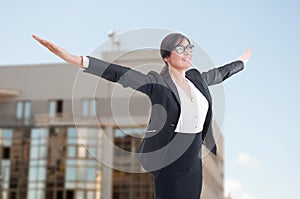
(165, 100)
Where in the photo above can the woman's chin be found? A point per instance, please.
(187, 64)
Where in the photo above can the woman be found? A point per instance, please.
(181, 112)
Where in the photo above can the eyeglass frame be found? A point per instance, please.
(189, 47)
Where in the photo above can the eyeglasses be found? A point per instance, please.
(181, 49)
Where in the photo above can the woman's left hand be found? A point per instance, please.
(245, 56)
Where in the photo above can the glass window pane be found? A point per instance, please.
(32, 185)
(42, 141)
(72, 132)
(44, 132)
(81, 174)
(41, 185)
(34, 134)
(85, 107)
(119, 133)
(83, 133)
(79, 194)
(71, 163)
(5, 173)
(81, 152)
(34, 141)
(5, 185)
(72, 136)
(6, 142)
(41, 162)
(99, 152)
(72, 140)
(91, 174)
(31, 194)
(70, 174)
(33, 172)
(42, 174)
(34, 152)
(42, 152)
(52, 109)
(71, 151)
(19, 110)
(40, 194)
(80, 163)
(93, 107)
(27, 110)
(90, 195)
(7, 133)
(92, 151)
(5, 163)
(33, 163)
(91, 163)
(70, 185)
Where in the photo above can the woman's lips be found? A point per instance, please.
(186, 59)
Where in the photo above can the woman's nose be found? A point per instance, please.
(187, 52)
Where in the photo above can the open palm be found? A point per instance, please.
(60, 52)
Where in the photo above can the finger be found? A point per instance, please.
(37, 38)
(248, 52)
(42, 41)
(47, 44)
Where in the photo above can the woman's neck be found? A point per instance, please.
(177, 75)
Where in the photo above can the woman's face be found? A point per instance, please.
(182, 58)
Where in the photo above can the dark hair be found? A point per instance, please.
(169, 43)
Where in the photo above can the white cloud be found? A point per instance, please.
(247, 161)
(233, 189)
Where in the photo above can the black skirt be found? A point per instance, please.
(183, 177)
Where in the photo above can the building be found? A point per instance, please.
(58, 129)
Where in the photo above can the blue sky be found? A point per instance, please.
(260, 129)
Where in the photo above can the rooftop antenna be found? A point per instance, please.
(115, 42)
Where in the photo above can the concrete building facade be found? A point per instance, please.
(59, 126)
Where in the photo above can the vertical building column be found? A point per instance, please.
(107, 155)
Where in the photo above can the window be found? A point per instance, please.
(79, 194)
(13, 195)
(59, 194)
(89, 107)
(126, 184)
(38, 160)
(128, 139)
(23, 110)
(6, 136)
(5, 170)
(55, 107)
(82, 169)
(6, 153)
(70, 194)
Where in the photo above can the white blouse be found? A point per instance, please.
(193, 111)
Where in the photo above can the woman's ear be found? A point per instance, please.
(166, 59)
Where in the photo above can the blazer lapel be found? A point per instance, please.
(166, 75)
(199, 85)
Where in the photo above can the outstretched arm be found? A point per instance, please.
(126, 76)
(60, 52)
(218, 75)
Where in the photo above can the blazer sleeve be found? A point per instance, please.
(218, 75)
(126, 76)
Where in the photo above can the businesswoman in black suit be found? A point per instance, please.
(171, 148)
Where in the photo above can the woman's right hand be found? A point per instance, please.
(60, 52)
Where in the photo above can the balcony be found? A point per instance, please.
(45, 119)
